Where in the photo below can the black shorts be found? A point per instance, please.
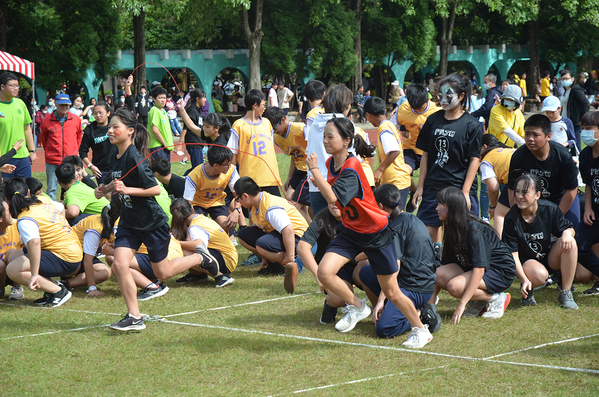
(82, 268)
(53, 266)
(412, 159)
(347, 271)
(299, 182)
(214, 212)
(256, 237)
(494, 282)
(504, 197)
(382, 260)
(427, 211)
(156, 241)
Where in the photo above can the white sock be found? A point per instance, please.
(495, 296)
(152, 286)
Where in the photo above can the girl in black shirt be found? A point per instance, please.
(528, 230)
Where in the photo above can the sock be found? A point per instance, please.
(495, 296)
(152, 286)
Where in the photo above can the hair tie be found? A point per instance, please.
(15, 193)
(108, 205)
(398, 203)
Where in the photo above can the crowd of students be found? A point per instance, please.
(341, 216)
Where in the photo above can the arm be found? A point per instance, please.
(325, 189)
(291, 171)
(526, 285)
(493, 191)
(477, 275)
(383, 166)
(34, 252)
(88, 267)
(120, 187)
(589, 214)
(421, 179)
(30, 143)
(289, 243)
(567, 200)
(158, 135)
(486, 107)
(470, 175)
(188, 122)
(72, 211)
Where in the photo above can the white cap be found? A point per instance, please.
(551, 104)
(395, 83)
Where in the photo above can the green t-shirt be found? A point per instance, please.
(164, 201)
(158, 117)
(83, 197)
(14, 116)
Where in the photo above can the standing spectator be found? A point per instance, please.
(523, 84)
(359, 102)
(490, 85)
(15, 124)
(171, 111)
(591, 86)
(40, 115)
(395, 94)
(574, 103)
(192, 132)
(284, 96)
(142, 106)
(507, 121)
(545, 86)
(273, 99)
(95, 137)
(77, 104)
(51, 107)
(60, 136)
(558, 89)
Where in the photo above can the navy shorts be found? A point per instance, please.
(492, 279)
(412, 159)
(504, 197)
(427, 211)
(346, 273)
(382, 260)
(53, 266)
(82, 268)
(214, 212)
(256, 237)
(156, 241)
(157, 153)
(299, 182)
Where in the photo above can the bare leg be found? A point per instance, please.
(327, 274)
(19, 271)
(120, 266)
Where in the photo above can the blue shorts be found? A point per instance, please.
(493, 280)
(145, 266)
(53, 266)
(412, 159)
(157, 153)
(156, 241)
(23, 168)
(256, 237)
(383, 260)
(299, 182)
(214, 212)
(427, 211)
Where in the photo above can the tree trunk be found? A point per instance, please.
(254, 38)
(446, 35)
(533, 49)
(139, 50)
(3, 25)
(357, 80)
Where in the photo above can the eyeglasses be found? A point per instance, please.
(13, 86)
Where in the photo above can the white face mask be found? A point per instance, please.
(509, 104)
(447, 98)
(50, 104)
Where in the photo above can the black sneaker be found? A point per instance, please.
(438, 254)
(328, 314)
(409, 204)
(223, 280)
(273, 269)
(58, 298)
(430, 317)
(208, 262)
(594, 290)
(42, 301)
(66, 284)
(529, 300)
(193, 278)
(128, 323)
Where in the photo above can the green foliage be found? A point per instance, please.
(64, 38)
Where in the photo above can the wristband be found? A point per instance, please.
(32, 151)
(311, 168)
(92, 288)
(492, 208)
(89, 166)
(237, 209)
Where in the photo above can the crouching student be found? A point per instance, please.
(416, 275)
(51, 248)
(528, 230)
(278, 228)
(476, 266)
(321, 232)
(192, 229)
(9, 241)
(36, 188)
(79, 200)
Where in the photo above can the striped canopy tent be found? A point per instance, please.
(16, 64)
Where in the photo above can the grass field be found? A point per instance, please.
(252, 339)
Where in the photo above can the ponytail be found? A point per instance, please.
(17, 195)
(388, 195)
(362, 148)
(109, 215)
(180, 210)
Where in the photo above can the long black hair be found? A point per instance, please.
(388, 195)
(193, 95)
(180, 209)
(16, 192)
(140, 134)
(223, 124)
(327, 223)
(109, 215)
(492, 143)
(347, 130)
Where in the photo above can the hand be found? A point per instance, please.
(568, 243)
(287, 184)
(377, 176)
(180, 104)
(322, 287)
(467, 196)
(32, 157)
(405, 134)
(589, 217)
(312, 160)
(288, 259)
(95, 293)
(34, 283)
(526, 286)
(100, 191)
(18, 145)
(377, 311)
(8, 168)
(417, 196)
(263, 264)
(96, 171)
(491, 213)
(129, 80)
(457, 315)
(232, 221)
(120, 187)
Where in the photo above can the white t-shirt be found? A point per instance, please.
(273, 99)
(284, 95)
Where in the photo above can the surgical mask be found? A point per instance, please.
(567, 83)
(486, 86)
(44, 111)
(588, 137)
(50, 104)
(509, 104)
(448, 98)
(122, 100)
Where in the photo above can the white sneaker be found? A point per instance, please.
(16, 293)
(418, 338)
(353, 316)
(475, 308)
(496, 308)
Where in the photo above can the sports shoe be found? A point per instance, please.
(150, 293)
(328, 314)
(418, 338)
(566, 300)
(252, 260)
(557, 280)
(58, 298)
(128, 323)
(16, 293)
(594, 290)
(208, 261)
(496, 307)
(291, 273)
(529, 300)
(430, 317)
(475, 309)
(273, 269)
(223, 280)
(548, 282)
(353, 316)
(409, 204)
(193, 278)
(42, 301)
(438, 254)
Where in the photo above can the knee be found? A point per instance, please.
(119, 267)
(324, 275)
(160, 273)
(102, 275)
(455, 288)
(537, 276)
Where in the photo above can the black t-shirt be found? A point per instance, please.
(96, 138)
(589, 171)
(414, 249)
(486, 250)
(449, 144)
(314, 236)
(195, 115)
(558, 172)
(137, 213)
(176, 187)
(533, 240)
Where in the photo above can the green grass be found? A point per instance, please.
(277, 346)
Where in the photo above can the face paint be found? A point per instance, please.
(447, 98)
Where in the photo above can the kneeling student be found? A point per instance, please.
(79, 200)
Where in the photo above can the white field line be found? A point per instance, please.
(241, 304)
(541, 345)
(357, 381)
(593, 371)
(54, 332)
(61, 309)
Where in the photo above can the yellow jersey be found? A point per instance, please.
(209, 192)
(55, 233)
(413, 122)
(363, 160)
(522, 85)
(545, 87)
(219, 239)
(174, 249)
(10, 239)
(256, 156)
(313, 113)
(293, 144)
(501, 118)
(93, 223)
(268, 202)
(397, 172)
(500, 159)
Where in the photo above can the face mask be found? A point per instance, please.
(50, 104)
(588, 137)
(566, 83)
(509, 104)
(486, 86)
(447, 98)
(122, 100)
(44, 111)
